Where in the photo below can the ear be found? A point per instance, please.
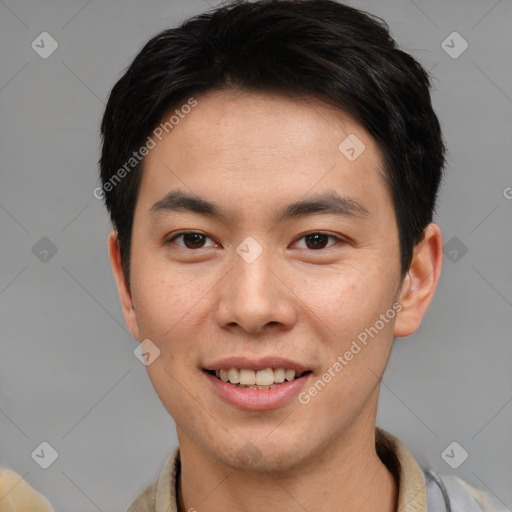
(420, 283)
(125, 295)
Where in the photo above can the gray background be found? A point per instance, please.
(68, 373)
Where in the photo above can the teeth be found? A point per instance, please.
(247, 377)
(279, 375)
(289, 375)
(261, 379)
(265, 377)
(234, 376)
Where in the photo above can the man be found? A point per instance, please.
(271, 171)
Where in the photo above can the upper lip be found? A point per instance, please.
(256, 364)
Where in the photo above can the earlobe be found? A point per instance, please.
(124, 292)
(420, 282)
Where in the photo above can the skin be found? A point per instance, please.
(252, 153)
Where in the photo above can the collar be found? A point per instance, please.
(393, 453)
(412, 494)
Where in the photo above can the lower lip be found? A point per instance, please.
(258, 399)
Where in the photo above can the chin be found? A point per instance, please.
(261, 453)
(251, 458)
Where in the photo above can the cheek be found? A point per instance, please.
(347, 315)
(162, 300)
(346, 299)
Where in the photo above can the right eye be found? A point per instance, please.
(191, 239)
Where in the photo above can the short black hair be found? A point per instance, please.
(311, 48)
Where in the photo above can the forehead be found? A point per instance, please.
(262, 146)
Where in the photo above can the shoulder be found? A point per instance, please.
(17, 495)
(446, 492)
(145, 502)
(161, 494)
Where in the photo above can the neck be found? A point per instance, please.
(346, 475)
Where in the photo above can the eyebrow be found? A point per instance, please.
(326, 203)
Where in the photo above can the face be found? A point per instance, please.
(250, 282)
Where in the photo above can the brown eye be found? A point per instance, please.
(316, 241)
(191, 240)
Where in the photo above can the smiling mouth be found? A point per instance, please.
(268, 378)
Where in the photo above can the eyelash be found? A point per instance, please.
(181, 233)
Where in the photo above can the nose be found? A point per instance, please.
(256, 295)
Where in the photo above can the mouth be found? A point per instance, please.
(246, 378)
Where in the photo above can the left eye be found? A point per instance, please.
(195, 240)
(317, 241)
